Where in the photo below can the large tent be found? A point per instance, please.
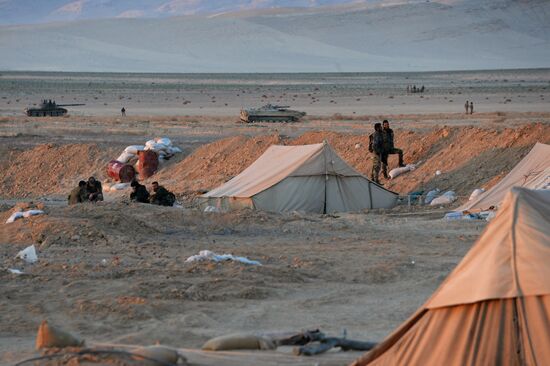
(310, 178)
(494, 308)
(533, 172)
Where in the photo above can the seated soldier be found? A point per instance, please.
(161, 196)
(78, 194)
(94, 190)
(139, 192)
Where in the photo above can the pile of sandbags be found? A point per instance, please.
(161, 145)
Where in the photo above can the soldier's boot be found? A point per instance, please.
(385, 172)
(401, 163)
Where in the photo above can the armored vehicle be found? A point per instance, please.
(48, 108)
(271, 113)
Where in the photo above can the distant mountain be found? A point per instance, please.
(381, 36)
(41, 11)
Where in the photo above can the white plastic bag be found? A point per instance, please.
(444, 199)
(28, 254)
(476, 193)
(211, 209)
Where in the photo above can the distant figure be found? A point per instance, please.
(139, 192)
(408, 89)
(466, 106)
(161, 196)
(471, 107)
(376, 147)
(422, 89)
(78, 194)
(389, 148)
(123, 111)
(414, 88)
(94, 190)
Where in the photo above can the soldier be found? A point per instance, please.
(123, 111)
(78, 194)
(162, 196)
(376, 146)
(94, 190)
(466, 106)
(471, 107)
(139, 192)
(389, 148)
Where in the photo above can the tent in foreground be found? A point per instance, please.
(311, 178)
(532, 172)
(494, 308)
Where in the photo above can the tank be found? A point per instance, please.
(49, 108)
(271, 113)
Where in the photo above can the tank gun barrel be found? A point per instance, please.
(70, 105)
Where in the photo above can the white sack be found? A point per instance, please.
(476, 193)
(125, 157)
(156, 147)
(30, 213)
(133, 149)
(444, 199)
(398, 171)
(431, 195)
(28, 254)
(14, 216)
(163, 140)
(119, 186)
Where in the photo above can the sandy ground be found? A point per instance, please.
(115, 272)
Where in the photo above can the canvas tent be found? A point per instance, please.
(494, 308)
(310, 178)
(533, 172)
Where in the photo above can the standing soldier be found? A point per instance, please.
(123, 111)
(466, 106)
(376, 146)
(471, 107)
(389, 148)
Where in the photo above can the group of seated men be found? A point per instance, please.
(87, 191)
(91, 191)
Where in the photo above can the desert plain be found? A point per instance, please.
(115, 272)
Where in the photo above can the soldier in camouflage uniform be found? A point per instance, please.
(389, 148)
(376, 146)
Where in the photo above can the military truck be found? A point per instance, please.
(49, 108)
(270, 113)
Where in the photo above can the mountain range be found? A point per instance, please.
(255, 36)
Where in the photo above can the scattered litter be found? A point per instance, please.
(207, 255)
(357, 146)
(398, 171)
(431, 195)
(453, 215)
(28, 254)
(21, 214)
(15, 271)
(211, 209)
(438, 172)
(491, 215)
(104, 262)
(444, 199)
(119, 186)
(476, 193)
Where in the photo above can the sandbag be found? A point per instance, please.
(49, 336)
(30, 213)
(398, 171)
(476, 193)
(125, 157)
(133, 149)
(165, 355)
(444, 199)
(119, 186)
(163, 140)
(14, 216)
(239, 341)
(431, 195)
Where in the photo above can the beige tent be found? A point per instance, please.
(494, 308)
(311, 178)
(532, 172)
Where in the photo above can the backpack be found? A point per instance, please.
(371, 139)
